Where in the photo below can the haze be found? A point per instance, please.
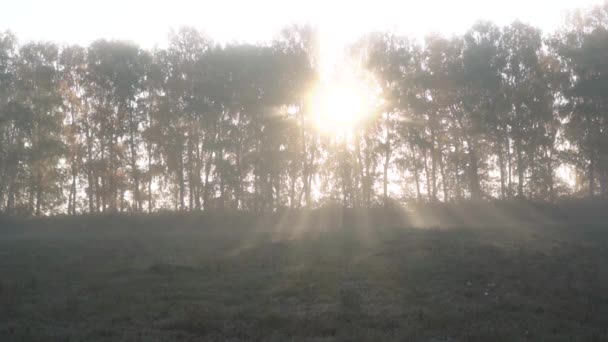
(303, 171)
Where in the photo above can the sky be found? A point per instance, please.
(148, 22)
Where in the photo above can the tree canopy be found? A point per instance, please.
(495, 113)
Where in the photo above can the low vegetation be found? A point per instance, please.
(324, 275)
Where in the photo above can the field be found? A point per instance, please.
(327, 275)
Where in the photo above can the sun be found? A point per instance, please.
(339, 107)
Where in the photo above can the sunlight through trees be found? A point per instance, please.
(496, 113)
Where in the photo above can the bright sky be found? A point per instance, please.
(147, 22)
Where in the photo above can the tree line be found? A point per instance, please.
(495, 113)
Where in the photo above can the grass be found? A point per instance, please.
(324, 276)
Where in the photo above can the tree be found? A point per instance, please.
(582, 50)
(494, 113)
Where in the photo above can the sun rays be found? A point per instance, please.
(340, 104)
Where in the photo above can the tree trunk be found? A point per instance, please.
(39, 195)
(113, 185)
(180, 178)
(206, 185)
(591, 174)
(520, 167)
(550, 180)
(474, 173)
(446, 194)
(73, 193)
(416, 174)
(501, 166)
(428, 176)
(197, 176)
(510, 166)
(433, 167)
(190, 169)
(385, 178)
(150, 176)
(91, 185)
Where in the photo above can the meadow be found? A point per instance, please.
(439, 273)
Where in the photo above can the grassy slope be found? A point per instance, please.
(322, 277)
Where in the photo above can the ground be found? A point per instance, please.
(338, 277)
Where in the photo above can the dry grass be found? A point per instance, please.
(327, 278)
